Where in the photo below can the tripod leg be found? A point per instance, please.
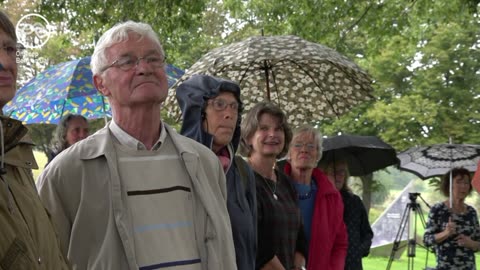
(396, 243)
(412, 240)
(424, 224)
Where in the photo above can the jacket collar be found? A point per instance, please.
(12, 131)
(101, 143)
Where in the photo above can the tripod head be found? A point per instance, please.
(413, 196)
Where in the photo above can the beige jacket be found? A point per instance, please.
(82, 190)
(27, 238)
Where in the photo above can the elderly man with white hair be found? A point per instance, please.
(137, 195)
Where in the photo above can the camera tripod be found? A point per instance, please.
(406, 222)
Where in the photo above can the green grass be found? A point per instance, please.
(377, 263)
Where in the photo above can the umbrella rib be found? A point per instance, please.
(315, 82)
(246, 71)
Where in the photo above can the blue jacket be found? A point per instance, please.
(192, 96)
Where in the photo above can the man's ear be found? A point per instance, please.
(98, 81)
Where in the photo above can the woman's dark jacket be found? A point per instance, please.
(192, 96)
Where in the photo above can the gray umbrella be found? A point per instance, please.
(439, 159)
(308, 81)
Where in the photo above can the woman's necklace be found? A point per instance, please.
(274, 189)
(312, 189)
(272, 175)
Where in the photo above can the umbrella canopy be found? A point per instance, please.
(64, 88)
(439, 159)
(363, 154)
(308, 81)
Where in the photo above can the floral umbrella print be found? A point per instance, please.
(309, 81)
(61, 89)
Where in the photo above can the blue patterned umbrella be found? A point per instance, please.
(64, 88)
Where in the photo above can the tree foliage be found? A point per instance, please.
(177, 22)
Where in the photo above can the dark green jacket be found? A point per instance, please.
(27, 238)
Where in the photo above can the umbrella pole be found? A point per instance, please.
(450, 180)
(451, 191)
(265, 67)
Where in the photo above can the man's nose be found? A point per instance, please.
(143, 67)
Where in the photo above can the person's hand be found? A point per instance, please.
(465, 241)
(450, 228)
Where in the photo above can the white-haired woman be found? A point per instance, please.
(320, 203)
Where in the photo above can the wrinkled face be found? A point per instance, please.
(8, 70)
(221, 116)
(77, 130)
(269, 138)
(338, 174)
(145, 83)
(303, 151)
(461, 186)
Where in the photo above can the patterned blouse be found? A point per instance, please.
(449, 254)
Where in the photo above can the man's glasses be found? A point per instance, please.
(220, 104)
(309, 146)
(128, 62)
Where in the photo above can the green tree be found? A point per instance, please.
(178, 23)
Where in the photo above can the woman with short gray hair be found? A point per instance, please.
(320, 203)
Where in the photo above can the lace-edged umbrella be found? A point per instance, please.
(309, 81)
(439, 159)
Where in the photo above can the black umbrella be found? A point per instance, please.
(364, 154)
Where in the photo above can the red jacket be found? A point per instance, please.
(329, 239)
